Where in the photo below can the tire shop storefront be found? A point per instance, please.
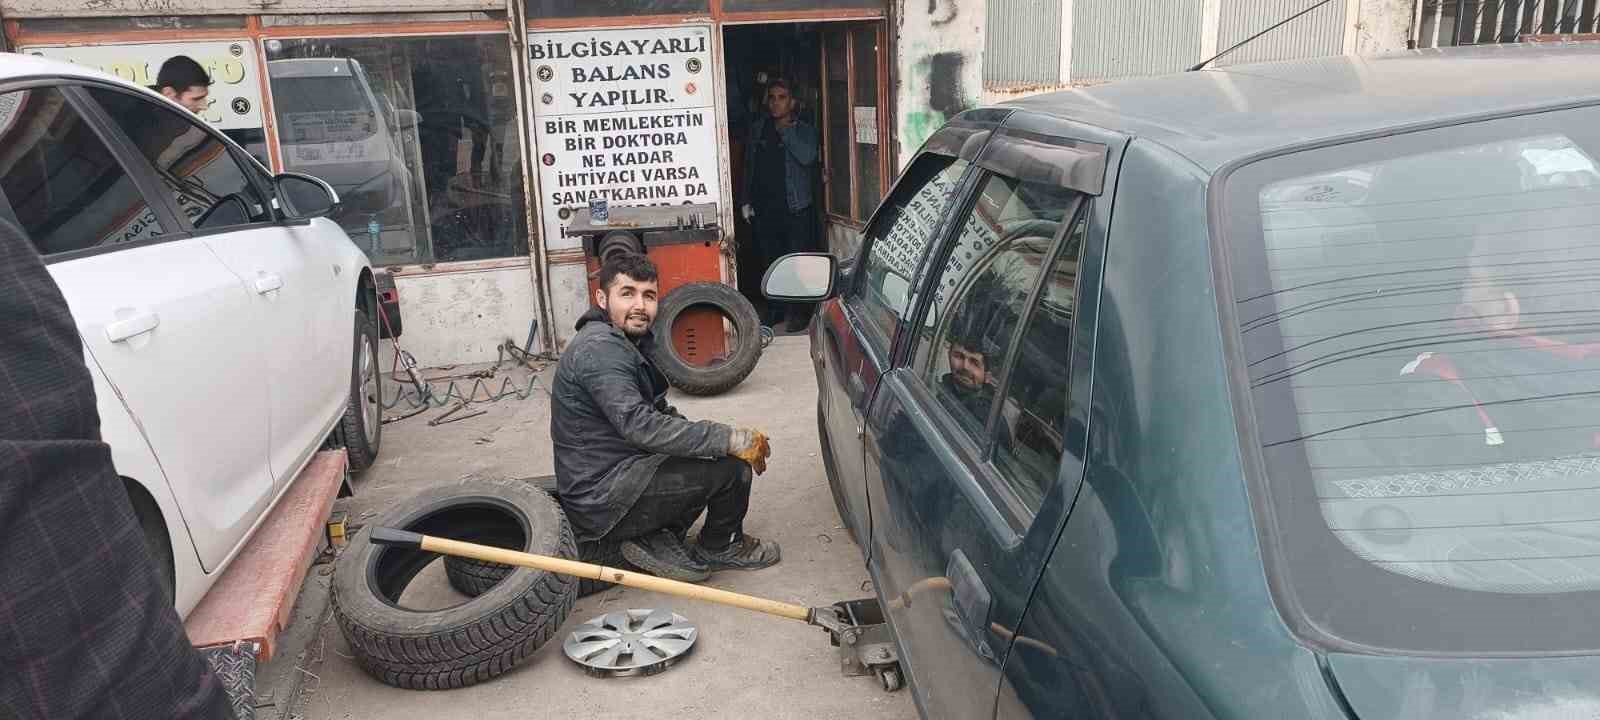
(467, 139)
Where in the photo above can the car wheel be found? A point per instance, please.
(741, 360)
(832, 474)
(361, 429)
(474, 641)
(155, 540)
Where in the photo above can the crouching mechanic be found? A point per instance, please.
(629, 467)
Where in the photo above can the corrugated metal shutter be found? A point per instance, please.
(1022, 45)
(1130, 38)
(14, 9)
(1315, 34)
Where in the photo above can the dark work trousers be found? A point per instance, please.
(778, 233)
(680, 490)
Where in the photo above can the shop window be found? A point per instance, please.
(539, 9)
(854, 159)
(418, 135)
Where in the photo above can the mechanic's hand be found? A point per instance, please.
(749, 212)
(750, 446)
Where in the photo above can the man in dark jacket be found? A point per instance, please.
(629, 467)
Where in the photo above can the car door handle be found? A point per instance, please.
(970, 602)
(267, 282)
(131, 326)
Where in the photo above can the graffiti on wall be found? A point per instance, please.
(940, 56)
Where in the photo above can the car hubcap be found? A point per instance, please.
(370, 404)
(631, 642)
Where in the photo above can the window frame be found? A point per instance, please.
(980, 457)
(854, 294)
(1080, 214)
(247, 165)
(855, 216)
(144, 180)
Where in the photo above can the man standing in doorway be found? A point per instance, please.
(185, 82)
(630, 468)
(777, 186)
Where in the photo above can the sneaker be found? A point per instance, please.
(746, 553)
(662, 554)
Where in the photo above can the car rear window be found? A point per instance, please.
(1420, 320)
(323, 109)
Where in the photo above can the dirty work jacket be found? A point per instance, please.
(800, 141)
(612, 427)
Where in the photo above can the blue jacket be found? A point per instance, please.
(800, 139)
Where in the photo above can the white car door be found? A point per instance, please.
(291, 273)
(156, 309)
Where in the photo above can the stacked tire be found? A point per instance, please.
(742, 357)
(480, 639)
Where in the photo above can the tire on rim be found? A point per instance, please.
(361, 428)
(474, 577)
(696, 380)
(476, 640)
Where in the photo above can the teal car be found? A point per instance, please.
(1268, 391)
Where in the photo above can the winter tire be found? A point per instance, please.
(361, 428)
(476, 640)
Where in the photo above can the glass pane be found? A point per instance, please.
(864, 113)
(418, 135)
(980, 295)
(838, 91)
(1033, 421)
(899, 237)
(61, 182)
(539, 9)
(210, 187)
(1420, 316)
(780, 5)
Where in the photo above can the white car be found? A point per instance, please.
(228, 324)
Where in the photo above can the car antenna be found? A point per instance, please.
(1243, 42)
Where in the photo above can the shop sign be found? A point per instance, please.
(625, 116)
(235, 100)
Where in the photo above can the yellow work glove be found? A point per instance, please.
(750, 446)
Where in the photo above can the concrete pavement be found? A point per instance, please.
(744, 665)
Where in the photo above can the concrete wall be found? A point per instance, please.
(461, 317)
(938, 66)
(569, 297)
(1383, 26)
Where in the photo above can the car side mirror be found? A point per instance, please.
(407, 119)
(801, 277)
(303, 197)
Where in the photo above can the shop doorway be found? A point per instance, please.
(833, 72)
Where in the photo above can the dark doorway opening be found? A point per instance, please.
(757, 57)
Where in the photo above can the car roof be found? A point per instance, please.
(1219, 115)
(312, 67)
(14, 66)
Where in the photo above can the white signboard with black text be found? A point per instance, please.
(625, 116)
(235, 99)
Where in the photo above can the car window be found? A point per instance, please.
(212, 190)
(63, 185)
(1033, 414)
(981, 291)
(900, 235)
(1419, 325)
